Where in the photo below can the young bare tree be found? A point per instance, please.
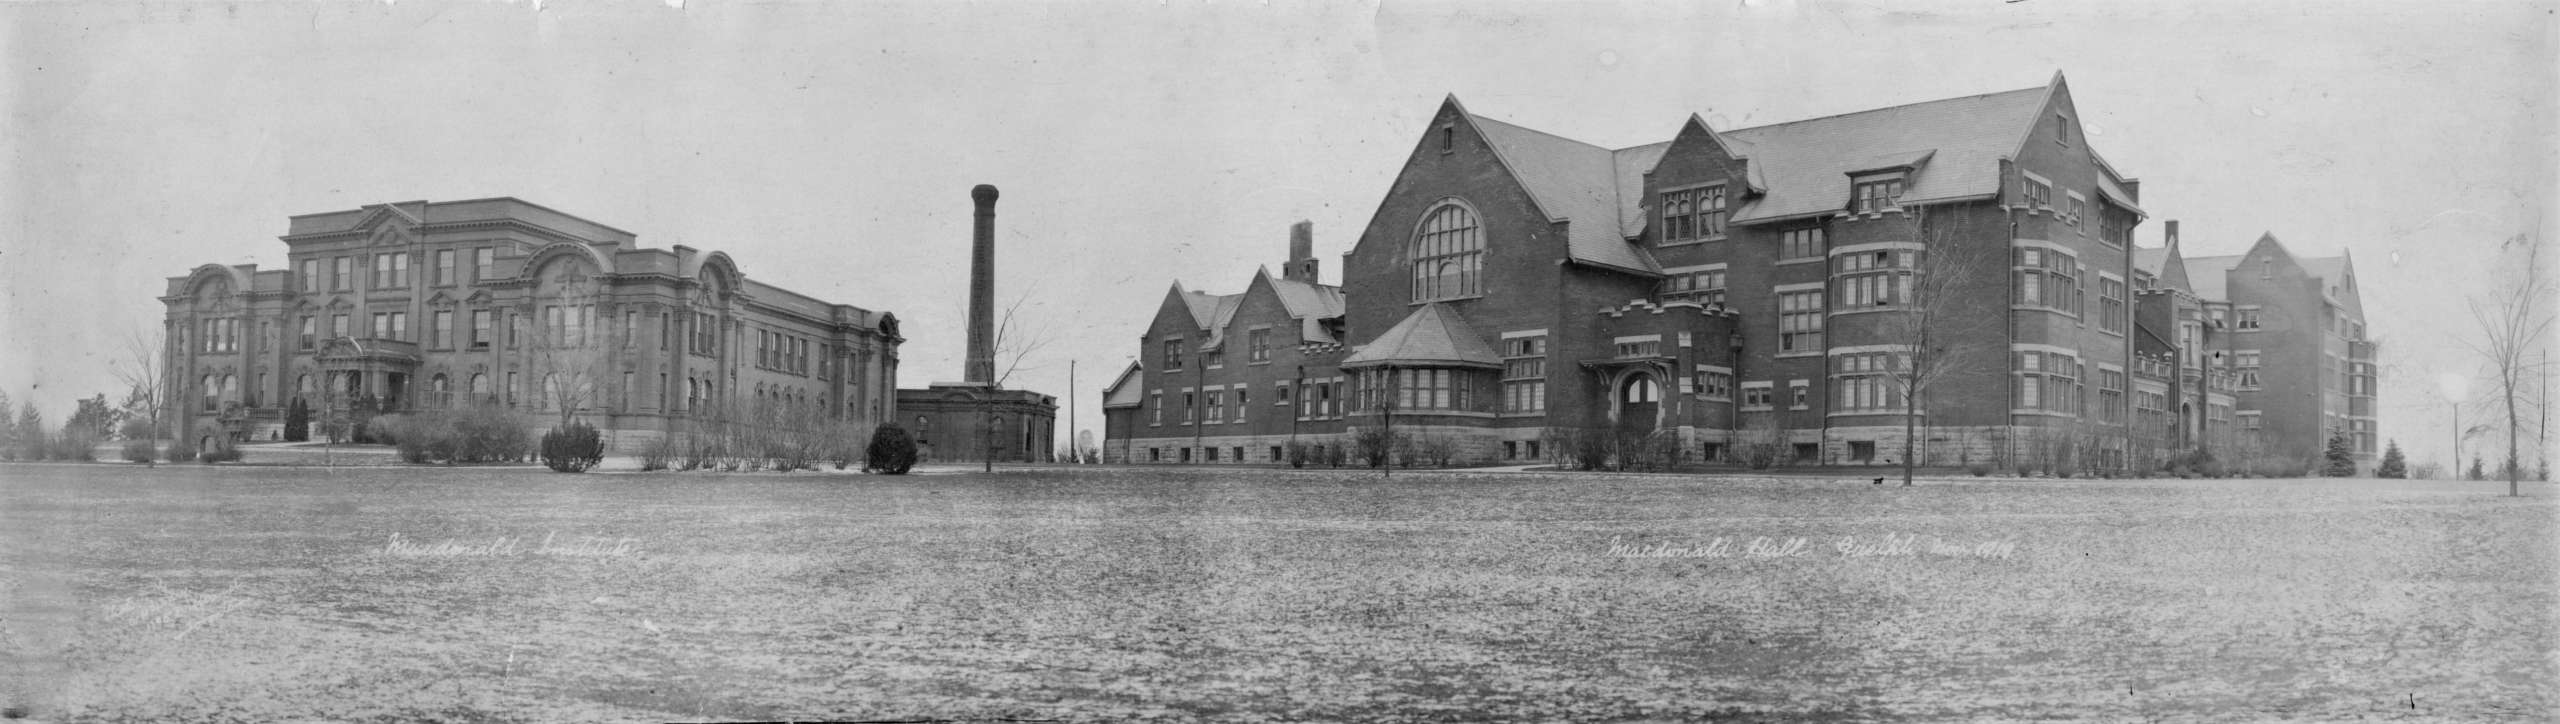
(1927, 313)
(2514, 320)
(138, 367)
(566, 353)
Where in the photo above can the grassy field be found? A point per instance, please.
(184, 593)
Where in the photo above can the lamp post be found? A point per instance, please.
(2456, 387)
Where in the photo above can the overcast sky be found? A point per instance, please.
(830, 148)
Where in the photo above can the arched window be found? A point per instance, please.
(1639, 389)
(1448, 255)
(212, 392)
(440, 391)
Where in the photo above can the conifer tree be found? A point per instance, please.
(2340, 457)
(2393, 464)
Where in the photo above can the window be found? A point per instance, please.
(1876, 196)
(1244, 397)
(484, 263)
(1448, 255)
(1705, 286)
(310, 275)
(2115, 225)
(1715, 384)
(1692, 214)
(1217, 408)
(1155, 407)
(391, 325)
(1865, 381)
(2047, 381)
(310, 331)
(1756, 396)
(1190, 403)
(1874, 279)
(1173, 355)
(442, 332)
(1639, 347)
(1800, 321)
(390, 271)
(2111, 309)
(1524, 374)
(1213, 358)
(2049, 279)
(1419, 389)
(2248, 317)
(630, 327)
(338, 325)
(444, 267)
(479, 328)
(1800, 395)
(2037, 193)
(2062, 129)
(342, 274)
(1804, 243)
(2110, 395)
(2246, 363)
(2077, 208)
(1257, 343)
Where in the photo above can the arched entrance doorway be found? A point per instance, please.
(1639, 403)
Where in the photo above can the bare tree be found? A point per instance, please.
(1927, 315)
(139, 368)
(2514, 320)
(566, 352)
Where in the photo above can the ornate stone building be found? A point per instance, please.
(420, 305)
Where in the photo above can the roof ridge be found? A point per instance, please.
(1884, 108)
(1557, 136)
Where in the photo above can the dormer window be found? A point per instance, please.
(1693, 214)
(1876, 195)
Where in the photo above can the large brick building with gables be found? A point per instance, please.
(1727, 288)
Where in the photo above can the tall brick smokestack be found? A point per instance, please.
(982, 290)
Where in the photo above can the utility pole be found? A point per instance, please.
(1072, 443)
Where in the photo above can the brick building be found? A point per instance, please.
(1728, 289)
(2273, 319)
(417, 305)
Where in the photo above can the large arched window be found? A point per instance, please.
(1448, 255)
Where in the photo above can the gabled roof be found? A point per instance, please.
(2206, 274)
(1128, 390)
(1808, 162)
(1571, 181)
(1433, 336)
(2147, 259)
(1796, 169)
(1310, 304)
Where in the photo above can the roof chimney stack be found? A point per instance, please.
(1302, 254)
(2171, 227)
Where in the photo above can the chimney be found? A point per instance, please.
(1302, 253)
(2171, 226)
(982, 290)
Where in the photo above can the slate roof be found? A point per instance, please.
(1310, 304)
(1576, 182)
(2206, 273)
(1807, 163)
(1435, 335)
(1126, 391)
(1800, 168)
(2147, 259)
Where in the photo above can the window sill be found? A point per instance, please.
(1795, 355)
(1758, 408)
(1870, 309)
(1798, 260)
(1686, 242)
